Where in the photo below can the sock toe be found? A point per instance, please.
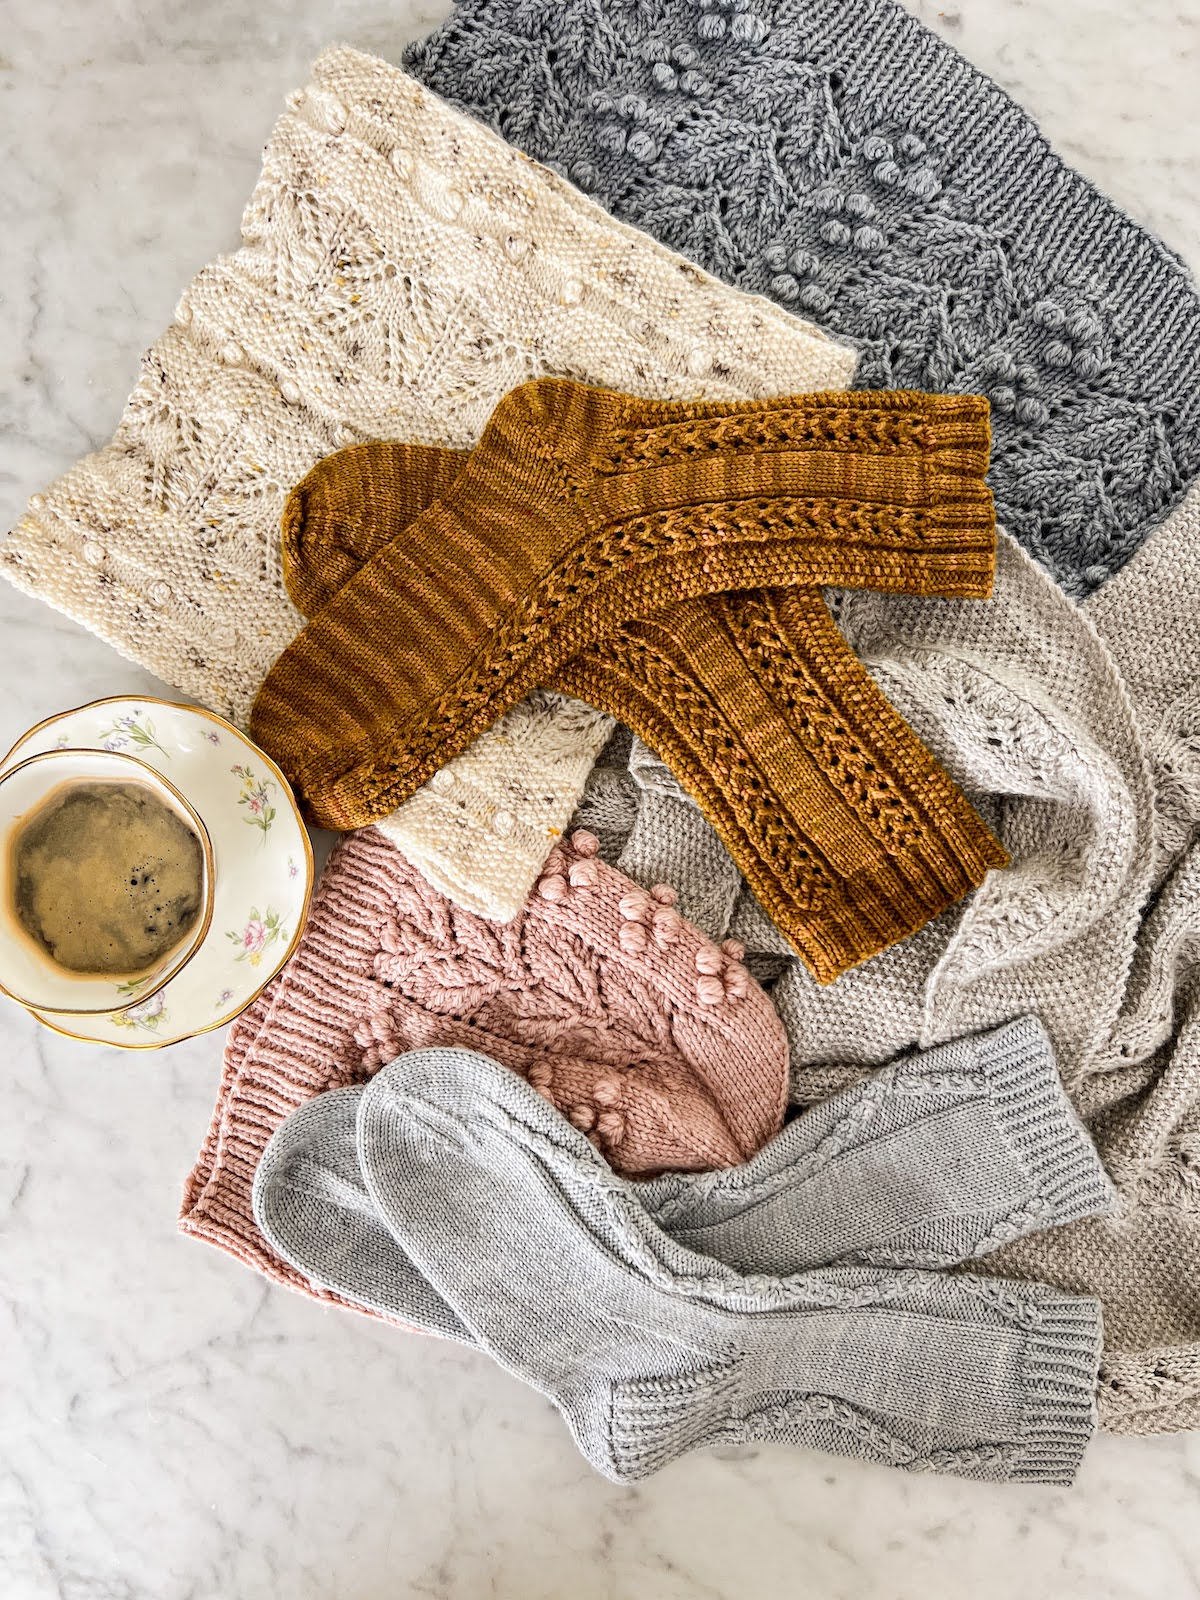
(313, 1208)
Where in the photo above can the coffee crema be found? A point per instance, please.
(107, 878)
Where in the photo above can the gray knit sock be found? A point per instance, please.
(312, 1207)
(650, 1350)
(933, 1161)
(938, 1158)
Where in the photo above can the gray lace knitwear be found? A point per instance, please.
(472, 1186)
(1077, 731)
(838, 156)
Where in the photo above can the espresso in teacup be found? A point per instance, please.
(106, 877)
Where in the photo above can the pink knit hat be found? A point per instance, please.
(651, 1039)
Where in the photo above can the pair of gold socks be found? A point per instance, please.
(661, 561)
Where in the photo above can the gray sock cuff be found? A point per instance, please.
(1035, 1115)
(1062, 1364)
(1035, 1162)
(654, 1420)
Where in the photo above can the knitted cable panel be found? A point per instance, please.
(837, 155)
(402, 269)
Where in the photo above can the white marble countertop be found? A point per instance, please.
(171, 1427)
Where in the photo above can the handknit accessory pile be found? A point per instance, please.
(402, 269)
(582, 512)
(1071, 930)
(658, 1349)
(840, 157)
(652, 1039)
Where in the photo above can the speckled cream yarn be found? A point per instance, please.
(1149, 616)
(841, 157)
(653, 1040)
(401, 270)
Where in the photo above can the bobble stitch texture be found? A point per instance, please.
(807, 127)
(710, 991)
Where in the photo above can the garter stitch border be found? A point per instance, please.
(839, 156)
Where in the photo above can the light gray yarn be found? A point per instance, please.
(933, 1161)
(608, 805)
(653, 832)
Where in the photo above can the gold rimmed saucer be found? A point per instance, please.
(263, 863)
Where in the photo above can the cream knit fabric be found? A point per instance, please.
(1149, 616)
(402, 269)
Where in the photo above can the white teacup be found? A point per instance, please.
(27, 973)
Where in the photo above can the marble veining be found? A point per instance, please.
(170, 1427)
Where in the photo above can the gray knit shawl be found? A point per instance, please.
(838, 156)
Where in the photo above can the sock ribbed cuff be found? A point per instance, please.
(1032, 1108)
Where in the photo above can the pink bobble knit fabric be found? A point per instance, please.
(654, 1041)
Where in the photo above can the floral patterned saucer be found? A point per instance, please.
(263, 863)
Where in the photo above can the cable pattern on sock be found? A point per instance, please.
(683, 1355)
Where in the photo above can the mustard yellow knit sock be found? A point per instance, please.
(581, 509)
(848, 831)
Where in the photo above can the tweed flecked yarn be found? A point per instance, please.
(649, 1037)
(1150, 621)
(848, 833)
(840, 157)
(401, 269)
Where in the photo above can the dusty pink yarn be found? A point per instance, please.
(651, 1039)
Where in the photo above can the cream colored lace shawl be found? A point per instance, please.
(402, 269)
